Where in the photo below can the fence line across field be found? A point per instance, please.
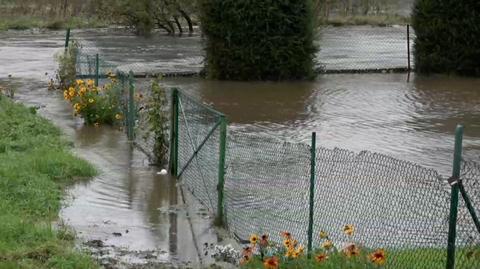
(358, 49)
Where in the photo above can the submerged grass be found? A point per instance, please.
(372, 20)
(35, 165)
(29, 22)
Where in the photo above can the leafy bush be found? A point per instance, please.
(96, 105)
(448, 36)
(67, 70)
(158, 121)
(258, 40)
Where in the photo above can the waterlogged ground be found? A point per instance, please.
(411, 118)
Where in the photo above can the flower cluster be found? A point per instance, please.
(290, 254)
(349, 250)
(96, 105)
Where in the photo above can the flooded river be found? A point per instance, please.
(411, 118)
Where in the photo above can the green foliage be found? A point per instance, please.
(158, 121)
(35, 164)
(258, 40)
(448, 36)
(67, 66)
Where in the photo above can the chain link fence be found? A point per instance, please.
(255, 184)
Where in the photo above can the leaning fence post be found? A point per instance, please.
(468, 204)
(312, 192)
(67, 39)
(452, 229)
(220, 220)
(97, 69)
(131, 108)
(174, 133)
(408, 47)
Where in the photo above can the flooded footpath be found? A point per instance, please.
(129, 216)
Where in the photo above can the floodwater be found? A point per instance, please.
(408, 117)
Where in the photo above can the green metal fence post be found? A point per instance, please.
(97, 69)
(67, 39)
(408, 48)
(312, 192)
(452, 230)
(174, 134)
(220, 220)
(131, 108)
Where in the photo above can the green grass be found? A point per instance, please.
(35, 166)
(26, 22)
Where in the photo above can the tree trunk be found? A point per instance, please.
(188, 19)
(179, 26)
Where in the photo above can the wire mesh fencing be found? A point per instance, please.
(394, 205)
(349, 49)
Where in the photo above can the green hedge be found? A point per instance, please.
(448, 36)
(258, 39)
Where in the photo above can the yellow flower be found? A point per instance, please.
(71, 92)
(91, 100)
(349, 229)
(298, 251)
(321, 257)
(323, 235)
(287, 243)
(253, 239)
(327, 245)
(351, 250)
(65, 95)
(77, 107)
(80, 82)
(82, 91)
(90, 83)
(118, 116)
(378, 257)
(96, 124)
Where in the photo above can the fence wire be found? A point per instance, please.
(198, 151)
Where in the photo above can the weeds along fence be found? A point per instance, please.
(355, 49)
(255, 184)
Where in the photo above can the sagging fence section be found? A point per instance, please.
(255, 184)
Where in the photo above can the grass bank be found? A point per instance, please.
(27, 22)
(35, 166)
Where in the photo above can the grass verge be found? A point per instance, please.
(26, 22)
(35, 166)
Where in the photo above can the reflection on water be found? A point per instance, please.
(128, 196)
(412, 120)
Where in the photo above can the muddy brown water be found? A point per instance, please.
(409, 118)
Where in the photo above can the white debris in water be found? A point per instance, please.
(162, 172)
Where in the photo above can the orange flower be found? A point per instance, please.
(351, 250)
(321, 257)
(286, 235)
(378, 257)
(271, 263)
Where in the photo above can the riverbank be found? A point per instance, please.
(29, 22)
(35, 167)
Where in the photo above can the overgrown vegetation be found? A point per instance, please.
(447, 36)
(158, 122)
(35, 165)
(67, 67)
(258, 40)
